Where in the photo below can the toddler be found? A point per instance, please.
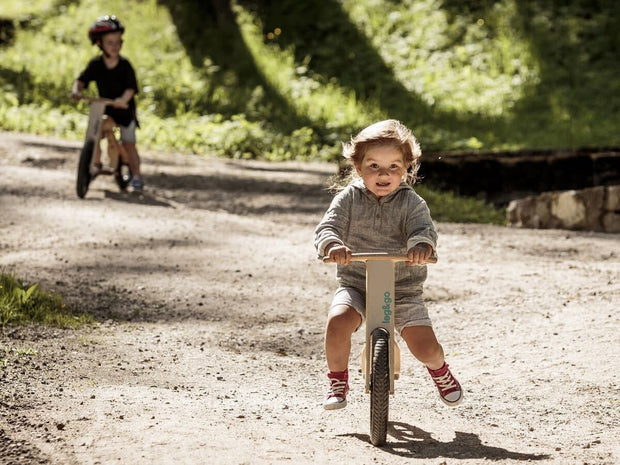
(378, 211)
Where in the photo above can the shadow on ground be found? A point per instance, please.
(409, 441)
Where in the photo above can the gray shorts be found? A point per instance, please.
(408, 310)
(128, 133)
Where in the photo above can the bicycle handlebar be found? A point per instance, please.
(374, 256)
(107, 101)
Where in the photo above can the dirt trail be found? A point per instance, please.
(210, 307)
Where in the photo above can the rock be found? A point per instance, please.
(611, 222)
(568, 209)
(612, 201)
(591, 209)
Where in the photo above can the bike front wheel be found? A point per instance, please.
(83, 174)
(379, 387)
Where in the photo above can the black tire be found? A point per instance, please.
(379, 387)
(123, 175)
(83, 174)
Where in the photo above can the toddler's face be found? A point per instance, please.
(382, 169)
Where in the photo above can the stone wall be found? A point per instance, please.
(591, 209)
(565, 189)
(499, 177)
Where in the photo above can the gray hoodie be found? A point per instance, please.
(395, 223)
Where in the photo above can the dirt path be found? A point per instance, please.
(210, 308)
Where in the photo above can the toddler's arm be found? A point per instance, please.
(338, 253)
(419, 254)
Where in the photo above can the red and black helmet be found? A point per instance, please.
(104, 25)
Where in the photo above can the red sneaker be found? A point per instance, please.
(450, 390)
(336, 396)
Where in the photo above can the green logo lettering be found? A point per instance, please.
(387, 307)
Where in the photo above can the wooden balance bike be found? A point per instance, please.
(381, 354)
(101, 126)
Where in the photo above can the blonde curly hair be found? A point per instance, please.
(388, 132)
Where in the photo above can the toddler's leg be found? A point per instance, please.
(342, 321)
(423, 344)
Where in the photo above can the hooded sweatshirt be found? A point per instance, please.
(395, 224)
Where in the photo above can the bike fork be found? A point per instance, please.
(380, 314)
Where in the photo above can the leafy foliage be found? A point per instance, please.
(292, 79)
(23, 303)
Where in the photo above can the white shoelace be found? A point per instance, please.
(337, 388)
(445, 382)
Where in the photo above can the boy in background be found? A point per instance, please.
(116, 80)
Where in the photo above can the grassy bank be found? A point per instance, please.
(289, 79)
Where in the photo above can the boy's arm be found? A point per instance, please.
(76, 89)
(126, 97)
(82, 81)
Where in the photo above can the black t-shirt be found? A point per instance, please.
(111, 83)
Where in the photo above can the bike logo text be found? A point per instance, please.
(387, 307)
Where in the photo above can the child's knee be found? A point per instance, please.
(343, 320)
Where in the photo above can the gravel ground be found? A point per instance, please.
(210, 308)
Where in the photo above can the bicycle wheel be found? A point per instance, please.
(122, 176)
(379, 387)
(83, 174)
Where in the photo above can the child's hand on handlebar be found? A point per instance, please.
(120, 103)
(419, 254)
(339, 254)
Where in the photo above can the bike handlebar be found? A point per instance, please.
(374, 256)
(107, 101)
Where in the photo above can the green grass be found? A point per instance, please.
(22, 303)
(446, 206)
